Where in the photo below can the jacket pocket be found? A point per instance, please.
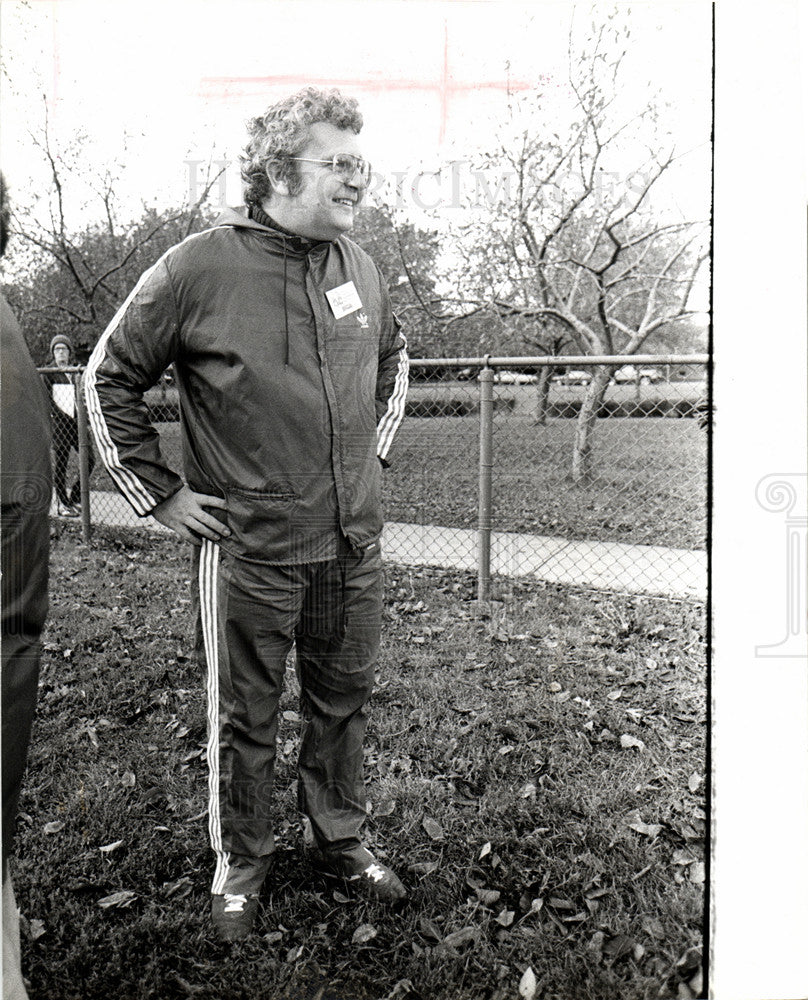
(261, 522)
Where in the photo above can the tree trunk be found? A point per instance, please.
(543, 394)
(585, 425)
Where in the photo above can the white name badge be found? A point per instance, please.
(343, 299)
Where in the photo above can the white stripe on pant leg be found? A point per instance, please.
(208, 604)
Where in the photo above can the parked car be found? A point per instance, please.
(630, 373)
(573, 378)
(515, 378)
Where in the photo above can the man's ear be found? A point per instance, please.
(277, 181)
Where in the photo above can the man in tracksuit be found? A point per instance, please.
(292, 374)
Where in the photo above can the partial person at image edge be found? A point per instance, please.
(25, 539)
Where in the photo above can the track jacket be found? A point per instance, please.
(286, 403)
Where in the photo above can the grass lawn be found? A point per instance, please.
(535, 769)
(649, 486)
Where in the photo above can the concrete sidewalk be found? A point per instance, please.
(640, 569)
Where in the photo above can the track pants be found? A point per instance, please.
(250, 615)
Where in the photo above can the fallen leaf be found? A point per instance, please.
(53, 827)
(626, 742)
(430, 929)
(386, 808)
(646, 829)
(654, 927)
(128, 779)
(364, 933)
(37, 929)
(291, 716)
(121, 899)
(505, 919)
(109, 848)
(595, 943)
(339, 897)
(554, 687)
(273, 937)
(488, 896)
(433, 828)
(463, 936)
(694, 782)
(682, 857)
(486, 849)
(615, 695)
(527, 984)
(620, 946)
(697, 872)
(527, 791)
(424, 867)
(294, 954)
(560, 904)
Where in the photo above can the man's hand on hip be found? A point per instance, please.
(184, 512)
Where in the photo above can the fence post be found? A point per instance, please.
(486, 465)
(84, 452)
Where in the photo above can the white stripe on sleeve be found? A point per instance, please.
(388, 425)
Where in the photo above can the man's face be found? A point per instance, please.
(61, 355)
(324, 206)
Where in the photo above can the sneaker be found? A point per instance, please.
(233, 915)
(67, 510)
(369, 876)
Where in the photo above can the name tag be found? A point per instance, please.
(343, 299)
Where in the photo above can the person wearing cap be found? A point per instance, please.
(292, 374)
(65, 427)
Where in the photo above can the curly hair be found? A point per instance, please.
(283, 131)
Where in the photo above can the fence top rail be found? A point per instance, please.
(54, 369)
(566, 360)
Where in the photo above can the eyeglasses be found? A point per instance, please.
(344, 165)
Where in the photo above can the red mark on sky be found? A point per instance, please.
(445, 86)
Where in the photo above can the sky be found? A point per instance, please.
(180, 80)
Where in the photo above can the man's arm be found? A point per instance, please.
(392, 379)
(137, 346)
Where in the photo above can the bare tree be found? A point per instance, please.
(566, 247)
(75, 273)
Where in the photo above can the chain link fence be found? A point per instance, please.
(493, 470)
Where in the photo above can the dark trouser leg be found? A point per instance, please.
(247, 616)
(24, 532)
(337, 649)
(75, 493)
(61, 453)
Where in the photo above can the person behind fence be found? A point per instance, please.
(65, 427)
(25, 542)
(292, 373)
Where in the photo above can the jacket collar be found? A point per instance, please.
(280, 237)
